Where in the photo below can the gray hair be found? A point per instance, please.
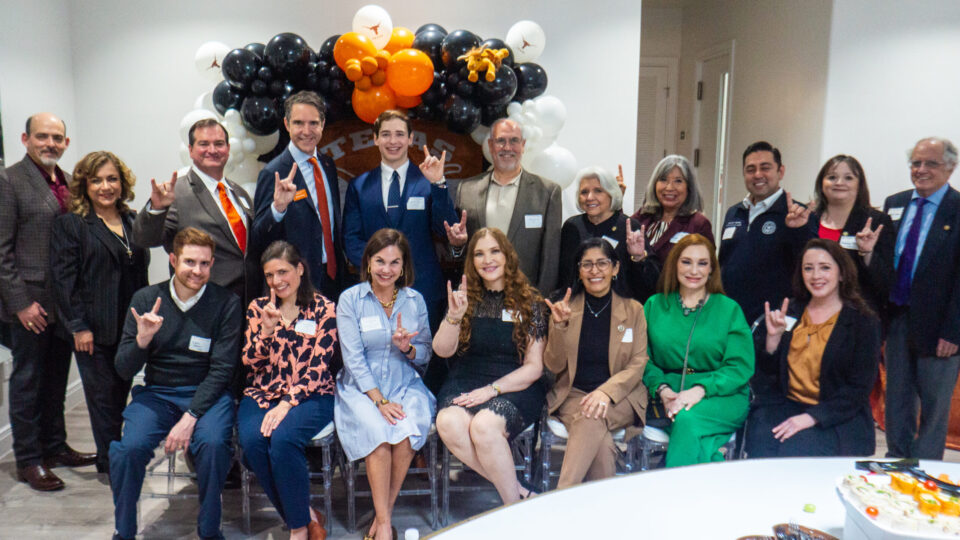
(949, 150)
(607, 182)
(694, 202)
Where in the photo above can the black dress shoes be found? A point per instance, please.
(70, 458)
(39, 477)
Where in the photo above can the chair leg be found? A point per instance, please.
(445, 482)
(327, 470)
(349, 476)
(245, 492)
(432, 478)
(171, 471)
(546, 444)
(644, 456)
(527, 459)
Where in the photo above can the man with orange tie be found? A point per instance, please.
(298, 196)
(206, 200)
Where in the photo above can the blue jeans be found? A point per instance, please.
(148, 418)
(279, 460)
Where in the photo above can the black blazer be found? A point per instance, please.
(848, 370)
(85, 259)
(934, 311)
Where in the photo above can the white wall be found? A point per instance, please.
(893, 79)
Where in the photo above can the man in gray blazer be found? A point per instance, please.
(33, 193)
(523, 205)
(206, 200)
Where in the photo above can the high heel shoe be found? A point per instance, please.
(531, 490)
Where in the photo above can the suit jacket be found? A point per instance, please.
(627, 359)
(934, 311)
(86, 261)
(364, 214)
(196, 207)
(300, 225)
(27, 211)
(848, 369)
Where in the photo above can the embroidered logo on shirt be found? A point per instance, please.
(769, 228)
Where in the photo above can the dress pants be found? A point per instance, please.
(279, 461)
(106, 394)
(928, 380)
(38, 383)
(697, 435)
(591, 452)
(149, 417)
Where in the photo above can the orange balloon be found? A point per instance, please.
(408, 102)
(368, 64)
(369, 104)
(353, 70)
(383, 59)
(364, 83)
(401, 38)
(379, 77)
(410, 72)
(352, 45)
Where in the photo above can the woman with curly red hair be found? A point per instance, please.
(496, 330)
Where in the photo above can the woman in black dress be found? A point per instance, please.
(496, 330)
(95, 270)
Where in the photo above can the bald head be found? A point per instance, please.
(45, 138)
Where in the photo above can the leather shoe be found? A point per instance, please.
(315, 529)
(39, 477)
(70, 458)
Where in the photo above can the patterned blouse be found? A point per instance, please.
(293, 363)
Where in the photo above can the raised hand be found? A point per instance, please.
(401, 338)
(776, 321)
(867, 238)
(457, 234)
(636, 242)
(148, 324)
(271, 316)
(162, 195)
(457, 300)
(284, 190)
(797, 216)
(560, 310)
(432, 168)
(620, 182)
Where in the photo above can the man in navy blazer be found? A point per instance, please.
(290, 207)
(413, 200)
(922, 360)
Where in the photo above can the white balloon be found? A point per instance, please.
(238, 131)
(208, 59)
(551, 113)
(265, 143)
(204, 101)
(514, 109)
(235, 145)
(555, 163)
(374, 22)
(480, 134)
(232, 163)
(232, 116)
(246, 171)
(250, 187)
(185, 155)
(192, 118)
(526, 39)
(529, 106)
(486, 152)
(249, 145)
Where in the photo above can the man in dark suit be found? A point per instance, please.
(521, 204)
(412, 200)
(921, 354)
(298, 196)
(204, 199)
(32, 194)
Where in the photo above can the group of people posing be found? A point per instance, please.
(353, 316)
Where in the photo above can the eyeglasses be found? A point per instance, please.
(928, 163)
(602, 264)
(503, 143)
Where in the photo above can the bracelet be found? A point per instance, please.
(452, 321)
(407, 352)
(636, 258)
(496, 388)
(661, 387)
(382, 401)
(864, 253)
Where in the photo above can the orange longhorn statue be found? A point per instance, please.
(484, 59)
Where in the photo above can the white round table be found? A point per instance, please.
(719, 500)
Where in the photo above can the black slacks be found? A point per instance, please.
(106, 394)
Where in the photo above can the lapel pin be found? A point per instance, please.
(620, 329)
(946, 227)
(614, 228)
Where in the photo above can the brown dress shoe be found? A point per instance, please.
(39, 477)
(315, 529)
(70, 458)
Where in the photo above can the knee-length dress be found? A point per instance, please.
(492, 353)
(371, 361)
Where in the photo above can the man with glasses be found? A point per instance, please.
(521, 204)
(921, 354)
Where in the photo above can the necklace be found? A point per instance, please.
(393, 300)
(686, 310)
(596, 313)
(124, 240)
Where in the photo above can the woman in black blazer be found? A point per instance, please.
(843, 214)
(95, 270)
(816, 363)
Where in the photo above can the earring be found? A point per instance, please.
(614, 277)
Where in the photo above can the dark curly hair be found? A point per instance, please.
(86, 170)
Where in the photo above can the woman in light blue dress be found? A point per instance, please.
(383, 411)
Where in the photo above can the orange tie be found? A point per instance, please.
(324, 220)
(233, 217)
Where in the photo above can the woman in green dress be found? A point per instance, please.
(701, 354)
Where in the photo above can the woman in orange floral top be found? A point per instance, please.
(291, 341)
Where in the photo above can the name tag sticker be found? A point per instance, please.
(728, 233)
(306, 327)
(676, 238)
(507, 316)
(848, 241)
(791, 322)
(533, 221)
(611, 240)
(895, 213)
(199, 344)
(416, 203)
(627, 336)
(300, 195)
(370, 323)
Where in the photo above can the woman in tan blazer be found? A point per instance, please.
(597, 349)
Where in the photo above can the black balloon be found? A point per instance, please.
(430, 27)
(452, 78)
(491, 113)
(240, 67)
(260, 115)
(313, 81)
(456, 44)
(325, 52)
(466, 88)
(287, 54)
(265, 74)
(494, 43)
(259, 88)
(437, 93)
(431, 43)
(424, 111)
(256, 48)
(226, 96)
(500, 90)
(531, 81)
(276, 87)
(462, 115)
(341, 89)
